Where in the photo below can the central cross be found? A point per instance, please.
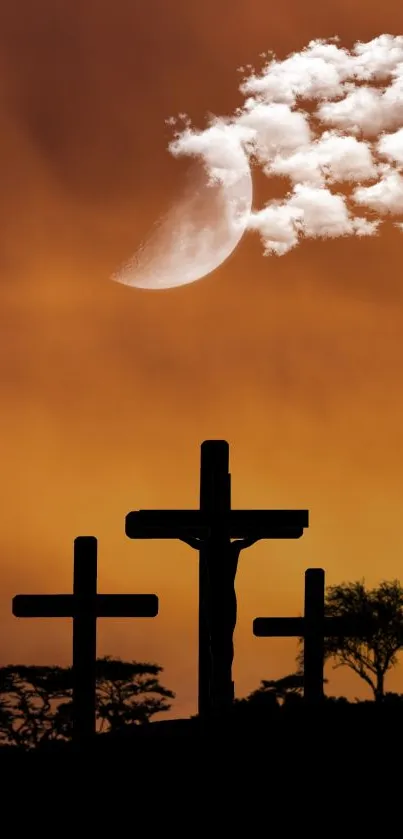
(219, 534)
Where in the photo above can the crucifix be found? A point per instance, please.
(313, 627)
(219, 534)
(84, 606)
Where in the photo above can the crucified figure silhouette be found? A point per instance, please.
(221, 567)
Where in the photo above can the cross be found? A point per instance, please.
(210, 530)
(84, 606)
(313, 627)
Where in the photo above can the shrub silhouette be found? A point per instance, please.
(36, 703)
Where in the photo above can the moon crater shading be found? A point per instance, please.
(197, 234)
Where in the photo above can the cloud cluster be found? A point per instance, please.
(221, 146)
(330, 122)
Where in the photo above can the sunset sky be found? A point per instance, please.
(107, 391)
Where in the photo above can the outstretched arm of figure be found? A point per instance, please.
(193, 541)
(197, 543)
(240, 544)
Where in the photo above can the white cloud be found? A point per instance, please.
(393, 101)
(391, 146)
(278, 225)
(360, 110)
(386, 196)
(321, 70)
(378, 57)
(309, 211)
(342, 139)
(364, 227)
(332, 157)
(317, 72)
(220, 146)
(277, 129)
(324, 213)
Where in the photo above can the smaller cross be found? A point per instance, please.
(84, 606)
(313, 627)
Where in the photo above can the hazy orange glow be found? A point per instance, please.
(107, 392)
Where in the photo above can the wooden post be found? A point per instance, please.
(314, 635)
(215, 498)
(84, 638)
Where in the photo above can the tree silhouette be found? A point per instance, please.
(36, 705)
(373, 653)
(129, 693)
(277, 690)
(28, 702)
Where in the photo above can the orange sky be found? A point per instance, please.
(107, 391)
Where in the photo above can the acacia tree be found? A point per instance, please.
(272, 692)
(29, 699)
(129, 692)
(374, 652)
(36, 706)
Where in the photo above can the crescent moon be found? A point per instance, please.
(198, 233)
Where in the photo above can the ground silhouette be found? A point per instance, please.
(362, 734)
